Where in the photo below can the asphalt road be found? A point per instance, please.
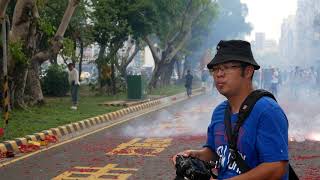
(141, 148)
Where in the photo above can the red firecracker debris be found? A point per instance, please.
(1, 132)
(28, 148)
(144, 151)
(122, 151)
(82, 170)
(306, 157)
(7, 154)
(51, 139)
(311, 173)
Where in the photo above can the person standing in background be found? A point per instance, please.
(188, 84)
(274, 82)
(74, 82)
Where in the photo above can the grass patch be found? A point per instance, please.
(168, 90)
(173, 89)
(54, 113)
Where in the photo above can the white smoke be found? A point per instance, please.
(302, 110)
(193, 117)
(190, 118)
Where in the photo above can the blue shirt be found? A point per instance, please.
(262, 138)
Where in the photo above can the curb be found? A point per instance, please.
(13, 145)
(126, 104)
(68, 129)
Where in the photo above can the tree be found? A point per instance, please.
(175, 22)
(3, 7)
(231, 14)
(56, 43)
(110, 30)
(126, 57)
(78, 34)
(141, 17)
(21, 46)
(25, 55)
(114, 21)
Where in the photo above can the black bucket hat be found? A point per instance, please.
(233, 50)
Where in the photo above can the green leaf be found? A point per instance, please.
(16, 51)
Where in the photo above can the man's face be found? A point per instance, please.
(227, 78)
(70, 67)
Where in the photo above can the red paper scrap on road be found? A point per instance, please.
(1, 132)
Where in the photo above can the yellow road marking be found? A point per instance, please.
(149, 147)
(96, 173)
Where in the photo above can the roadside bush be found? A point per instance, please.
(55, 82)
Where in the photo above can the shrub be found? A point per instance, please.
(55, 81)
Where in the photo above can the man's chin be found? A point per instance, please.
(223, 92)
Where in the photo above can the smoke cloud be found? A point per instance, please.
(189, 118)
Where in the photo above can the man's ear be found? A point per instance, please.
(249, 71)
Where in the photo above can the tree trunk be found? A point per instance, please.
(23, 31)
(126, 60)
(162, 70)
(81, 58)
(166, 73)
(170, 71)
(155, 77)
(186, 65)
(3, 7)
(113, 79)
(178, 66)
(99, 61)
(168, 54)
(33, 91)
(21, 22)
(18, 86)
(123, 73)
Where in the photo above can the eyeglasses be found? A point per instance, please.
(227, 68)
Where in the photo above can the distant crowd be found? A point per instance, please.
(298, 79)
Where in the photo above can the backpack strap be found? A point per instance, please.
(232, 141)
(232, 133)
(246, 108)
(292, 174)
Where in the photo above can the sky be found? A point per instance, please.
(267, 16)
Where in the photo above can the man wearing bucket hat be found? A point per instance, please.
(262, 139)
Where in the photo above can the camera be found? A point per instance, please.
(190, 168)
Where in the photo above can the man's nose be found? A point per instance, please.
(220, 72)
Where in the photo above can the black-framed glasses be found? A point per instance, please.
(225, 68)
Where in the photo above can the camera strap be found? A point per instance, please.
(232, 133)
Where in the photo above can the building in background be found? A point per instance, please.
(266, 51)
(287, 41)
(260, 38)
(300, 35)
(261, 44)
